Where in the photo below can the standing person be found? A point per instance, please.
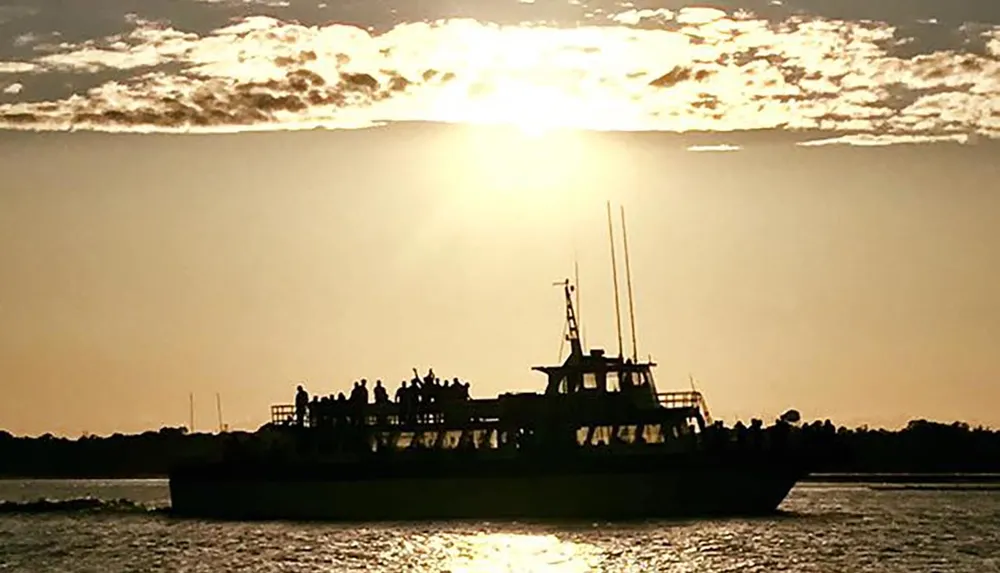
(301, 405)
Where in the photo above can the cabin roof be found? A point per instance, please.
(596, 363)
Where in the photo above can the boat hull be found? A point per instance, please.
(681, 490)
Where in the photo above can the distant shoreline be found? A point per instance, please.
(903, 478)
(838, 478)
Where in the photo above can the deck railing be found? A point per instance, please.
(282, 414)
(680, 399)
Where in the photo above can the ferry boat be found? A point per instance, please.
(600, 442)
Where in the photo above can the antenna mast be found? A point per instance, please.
(628, 281)
(191, 412)
(218, 409)
(614, 276)
(571, 331)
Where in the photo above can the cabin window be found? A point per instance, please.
(451, 439)
(425, 439)
(693, 427)
(493, 438)
(479, 438)
(653, 434)
(404, 440)
(613, 385)
(589, 382)
(602, 435)
(626, 434)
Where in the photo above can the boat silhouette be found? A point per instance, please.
(600, 442)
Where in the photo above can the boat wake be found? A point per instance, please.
(78, 505)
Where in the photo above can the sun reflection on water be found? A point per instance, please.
(509, 552)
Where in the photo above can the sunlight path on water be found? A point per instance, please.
(507, 553)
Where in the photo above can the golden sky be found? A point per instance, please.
(195, 197)
(856, 283)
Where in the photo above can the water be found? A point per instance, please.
(825, 528)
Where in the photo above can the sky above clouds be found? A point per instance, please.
(861, 72)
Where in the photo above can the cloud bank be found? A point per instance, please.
(635, 68)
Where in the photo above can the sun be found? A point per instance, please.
(535, 110)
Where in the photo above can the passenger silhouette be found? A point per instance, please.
(340, 409)
(363, 392)
(301, 405)
(313, 409)
(381, 395)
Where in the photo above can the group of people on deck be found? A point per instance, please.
(415, 401)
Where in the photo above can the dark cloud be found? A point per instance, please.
(672, 78)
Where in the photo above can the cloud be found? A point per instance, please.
(722, 147)
(13, 89)
(634, 17)
(678, 69)
(16, 67)
(875, 140)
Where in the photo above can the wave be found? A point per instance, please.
(77, 505)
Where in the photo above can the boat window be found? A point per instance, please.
(653, 434)
(451, 439)
(693, 426)
(492, 438)
(590, 381)
(626, 434)
(478, 438)
(613, 385)
(427, 439)
(404, 440)
(602, 435)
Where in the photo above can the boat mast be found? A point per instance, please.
(628, 281)
(614, 276)
(573, 334)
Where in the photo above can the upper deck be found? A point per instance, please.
(585, 392)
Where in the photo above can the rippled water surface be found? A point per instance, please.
(824, 528)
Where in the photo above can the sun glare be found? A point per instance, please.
(508, 553)
(533, 109)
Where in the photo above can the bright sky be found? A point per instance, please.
(823, 236)
(851, 283)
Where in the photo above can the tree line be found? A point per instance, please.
(921, 447)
